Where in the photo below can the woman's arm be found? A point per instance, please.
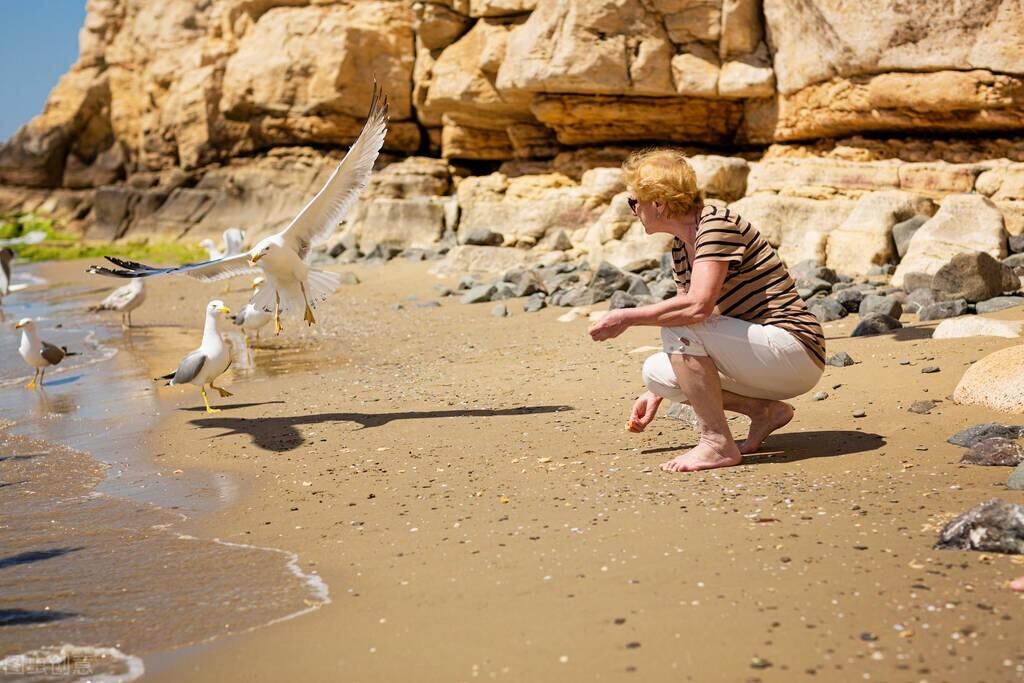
(695, 306)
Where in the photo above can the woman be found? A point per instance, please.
(736, 337)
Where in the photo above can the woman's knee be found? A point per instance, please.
(659, 377)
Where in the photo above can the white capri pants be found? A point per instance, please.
(758, 361)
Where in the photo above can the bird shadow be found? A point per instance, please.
(28, 456)
(280, 434)
(35, 556)
(62, 381)
(230, 406)
(5, 484)
(20, 617)
(795, 446)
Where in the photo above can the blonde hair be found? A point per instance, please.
(664, 175)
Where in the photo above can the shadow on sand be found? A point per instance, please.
(280, 433)
(794, 446)
(34, 556)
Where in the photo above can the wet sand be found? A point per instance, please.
(464, 486)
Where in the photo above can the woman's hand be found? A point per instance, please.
(644, 410)
(610, 326)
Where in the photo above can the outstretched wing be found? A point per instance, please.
(207, 271)
(321, 216)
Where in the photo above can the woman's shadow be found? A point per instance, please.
(794, 446)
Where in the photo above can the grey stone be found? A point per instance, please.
(875, 304)
(534, 303)
(839, 286)
(943, 309)
(622, 300)
(995, 450)
(443, 291)
(972, 435)
(429, 304)
(840, 360)
(904, 230)
(664, 289)
(912, 281)
(826, 309)
(974, 276)
(922, 407)
(503, 290)
(918, 299)
(382, 253)
(1016, 243)
(998, 303)
(884, 269)
(1016, 481)
(499, 311)
(875, 323)
(811, 270)
(607, 280)
(483, 237)
(820, 396)
(525, 281)
(1015, 262)
(466, 283)
(638, 287)
(478, 294)
(860, 412)
(930, 369)
(815, 285)
(995, 526)
(850, 298)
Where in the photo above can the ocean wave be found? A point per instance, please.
(67, 662)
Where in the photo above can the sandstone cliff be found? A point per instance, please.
(192, 115)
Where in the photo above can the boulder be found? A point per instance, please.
(721, 177)
(995, 451)
(873, 304)
(525, 282)
(850, 298)
(903, 231)
(479, 261)
(826, 309)
(999, 303)
(481, 237)
(974, 276)
(840, 360)
(994, 526)
(976, 433)
(941, 310)
(996, 382)
(963, 223)
(417, 222)
(976, 326)
(534, 303)
(797, 227)
(865, 238)
(875, 323)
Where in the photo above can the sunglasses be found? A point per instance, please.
(632, 202)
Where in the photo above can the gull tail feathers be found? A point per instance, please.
(321, 285)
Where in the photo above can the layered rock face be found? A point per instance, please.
(189, 116)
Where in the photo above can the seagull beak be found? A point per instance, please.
(224, 309)
(254, 259)
(18, 326)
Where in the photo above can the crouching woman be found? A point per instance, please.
(736, 337)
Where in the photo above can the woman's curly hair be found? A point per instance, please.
(662, 174)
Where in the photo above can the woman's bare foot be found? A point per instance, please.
(709, 453)
(775, 416)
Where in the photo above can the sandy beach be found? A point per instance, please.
(464, 486)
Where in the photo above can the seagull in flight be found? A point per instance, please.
(292, 287)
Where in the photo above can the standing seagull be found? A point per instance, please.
(250, 318)
(209, 361)
(39, 354)
(6, 256)
(292, 287)
(124, 300)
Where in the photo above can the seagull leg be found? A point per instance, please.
(277, 313)
(224, 393)
(206, 400)
(32, 384)
(308, 317)
(41, 372)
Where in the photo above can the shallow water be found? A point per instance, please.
(92, 572)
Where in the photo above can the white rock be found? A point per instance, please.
(865, 238)
(976, 326)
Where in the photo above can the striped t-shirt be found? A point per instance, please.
(757, 287)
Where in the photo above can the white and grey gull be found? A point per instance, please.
(205, 364)
(292, 287)
(37, 353)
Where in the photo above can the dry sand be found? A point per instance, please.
(464, 485)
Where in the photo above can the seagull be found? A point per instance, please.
(291, 285)
(124, 300)
(39, 354)
(209, 361)
(212, 251)
(250, 318)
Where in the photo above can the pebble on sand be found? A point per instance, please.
(929, 369)
(840, 360)
(860, 412)
(820, 396)
(1017, 584)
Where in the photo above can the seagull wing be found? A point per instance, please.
(188, 368)
(52, 354)
(206, 271)
(321, 216)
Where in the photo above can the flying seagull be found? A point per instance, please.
(292, 287)
(209, 361)
(124, 300)
(39, 354)
(250, 318)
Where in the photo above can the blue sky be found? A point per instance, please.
(38, 42)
